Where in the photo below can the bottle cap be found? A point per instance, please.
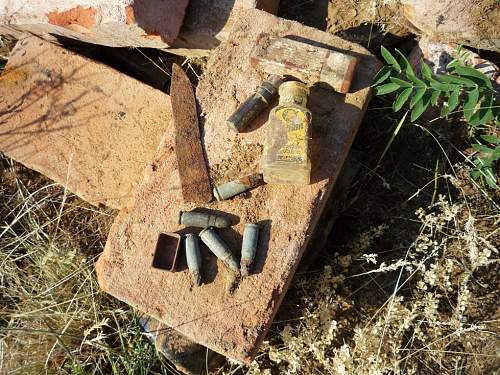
(293, 92)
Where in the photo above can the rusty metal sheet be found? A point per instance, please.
(191, 162)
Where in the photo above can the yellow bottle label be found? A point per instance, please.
(296, 123)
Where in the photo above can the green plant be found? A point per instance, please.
(485, 159)
(463, 89)
(464, 85)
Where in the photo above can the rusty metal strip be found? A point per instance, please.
(192, 167)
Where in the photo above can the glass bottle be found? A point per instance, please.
(286, 158)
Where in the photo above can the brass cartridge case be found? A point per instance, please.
(255, 104)
(193, 257)
(232, 188)
(249, 247)
(219, 248)
(203, 219)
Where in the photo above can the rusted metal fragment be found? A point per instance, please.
(191, 161)
(166, 254)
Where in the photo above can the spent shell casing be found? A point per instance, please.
(249, 247)
(219, 248)
(255, 104)
(232, 188)
(193, 257)
(203, 220)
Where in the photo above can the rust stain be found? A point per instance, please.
(129, 15)
(76, 16)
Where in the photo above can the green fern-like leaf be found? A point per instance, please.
(401, 82)
(419, 93)
(402, 98)
(382, 75)
(390, 59)
(386, 88)
(470, 103)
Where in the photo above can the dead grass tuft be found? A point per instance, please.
(53, 317)
(439, 315)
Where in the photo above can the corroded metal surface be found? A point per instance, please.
(193, 171)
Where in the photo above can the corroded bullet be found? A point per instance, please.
(219, 248)
(203, 220)
(232, 188)
(249, 247)
(255, 104)
(193, 257)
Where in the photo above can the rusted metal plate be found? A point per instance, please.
(193, 171)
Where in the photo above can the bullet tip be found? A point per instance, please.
(196, 279)
(244, 270)
(233, 265)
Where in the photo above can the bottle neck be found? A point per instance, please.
(293, 100)
(293, 93)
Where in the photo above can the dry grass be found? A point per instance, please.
(439, 316)
(53, 318)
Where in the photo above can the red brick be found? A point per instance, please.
(227, 315)
(79, 122)
(115, 23)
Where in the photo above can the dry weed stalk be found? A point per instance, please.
(432, 321)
